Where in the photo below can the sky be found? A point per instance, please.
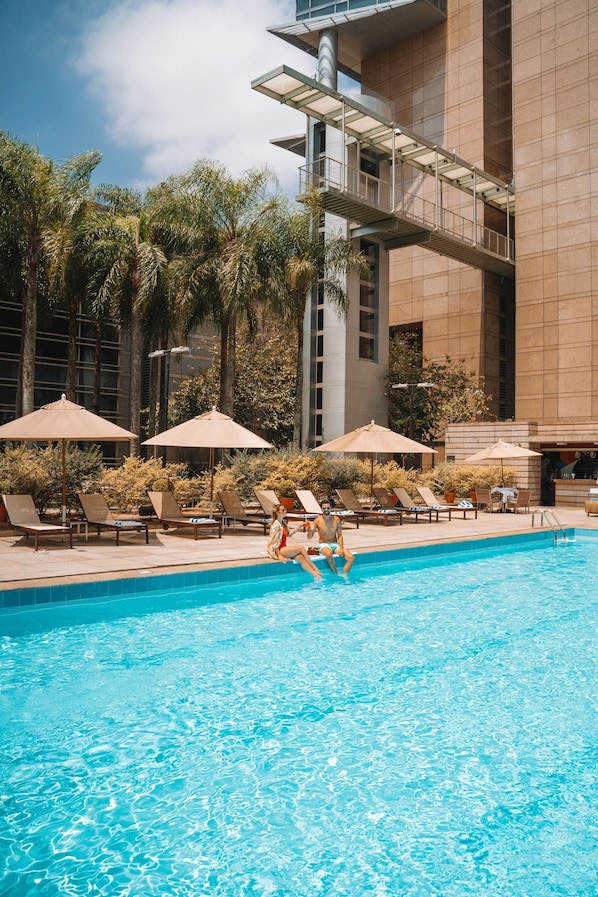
(153, 85)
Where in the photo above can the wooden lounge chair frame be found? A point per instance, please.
(23, 516)
(233, 511)
(311, 505)
(430, 499)
(98, 514)
(351, 502)
(169, 514)
(405, 503)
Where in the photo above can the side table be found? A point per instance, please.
(77, 526)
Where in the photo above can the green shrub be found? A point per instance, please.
(126, 487)
(38, 472)
(462, 479)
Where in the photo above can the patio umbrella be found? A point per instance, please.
(210, 430)
(501, 451)
(63, 422)
(374, 439)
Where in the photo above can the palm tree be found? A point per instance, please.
(36, 195)
(130, 272)
(311, 259)
(219, 232)
(67, 274)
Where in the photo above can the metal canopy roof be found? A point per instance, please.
(363, 33)
(385, 136)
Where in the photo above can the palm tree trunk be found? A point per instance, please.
(136, 350)
(228, 333)
(97, 368)
(297, 420)
(27, 379)
(71, 358)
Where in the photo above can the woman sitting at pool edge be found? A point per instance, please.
(278, 549)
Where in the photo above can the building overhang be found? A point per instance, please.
(365, 32)
(388, 138)
(295, 143)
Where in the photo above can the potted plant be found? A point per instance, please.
(284, 488)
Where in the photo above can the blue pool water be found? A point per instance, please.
(428, 728)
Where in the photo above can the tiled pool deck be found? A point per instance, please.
(175, 552)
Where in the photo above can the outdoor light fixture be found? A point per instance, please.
(165, 381)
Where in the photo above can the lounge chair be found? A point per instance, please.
(485, 499)
(268, 498)
(432, 501)
(405, 503)
(311, 506)
(352, 503)
(98, 514)
(521, 500)
(169, 514)
(234, 511)
(23, 516)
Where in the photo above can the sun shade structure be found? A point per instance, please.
(63, 422)
(375, 440)
(211, 430)
(346, 113)
(502, 451)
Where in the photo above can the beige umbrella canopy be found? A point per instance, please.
(63, 422)
(374, 439)
(210, 430)
(501, 451)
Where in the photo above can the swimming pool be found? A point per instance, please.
(428, 728)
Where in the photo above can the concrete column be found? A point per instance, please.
(328, 58)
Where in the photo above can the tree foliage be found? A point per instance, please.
(456, 397)
(264, 391)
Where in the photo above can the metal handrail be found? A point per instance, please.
(555, 524)
(325, 173)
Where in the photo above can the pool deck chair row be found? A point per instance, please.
(98, 514)
(268, 498)
(22, 515)
(311, 505)
(352, 503)
(234, 512)
(433, 501)
(405, 503)
(169, 513)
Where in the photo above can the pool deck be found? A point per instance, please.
(177, 551)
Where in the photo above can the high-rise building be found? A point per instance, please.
(464, 166)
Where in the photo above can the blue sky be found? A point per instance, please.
(152, 84)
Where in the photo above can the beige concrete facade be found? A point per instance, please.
(453, 83)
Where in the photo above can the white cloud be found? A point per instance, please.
(173, 79)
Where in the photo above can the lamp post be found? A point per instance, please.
(412, 387)
(165, 381)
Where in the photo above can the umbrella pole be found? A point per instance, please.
(64, 482)
(372, 480)
(211, 480)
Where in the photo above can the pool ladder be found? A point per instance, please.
(548, 516)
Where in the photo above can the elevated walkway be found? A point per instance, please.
(384, 210)
(397, 218)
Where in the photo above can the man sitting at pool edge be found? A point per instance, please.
(329, 528)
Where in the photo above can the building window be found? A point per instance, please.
(368, 304)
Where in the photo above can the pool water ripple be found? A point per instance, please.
(429, 730)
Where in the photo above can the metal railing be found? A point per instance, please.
(326, 173)
(552, 521)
